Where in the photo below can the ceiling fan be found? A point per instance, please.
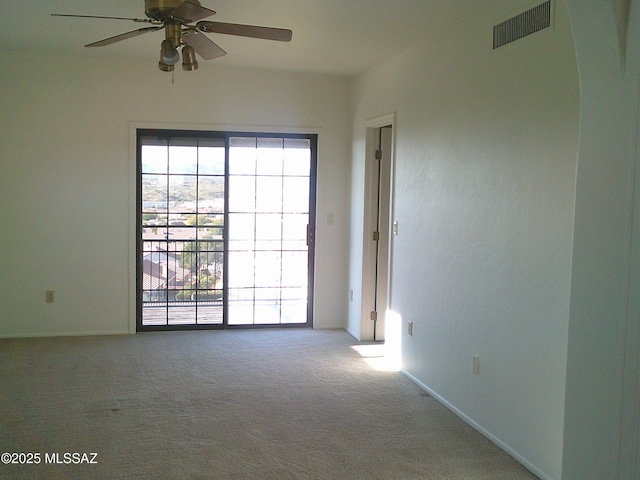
(176, 18)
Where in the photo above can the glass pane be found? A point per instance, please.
(297, 157)
(295, 195)
(297, 143)
(211, 160)
(153, 233)
(210, 264)
(211, 194)
(242, 197)
(269, 155)
(152, 220)
(294, 269)
(154, 281)
(210, 313)
(241, 269)
(154, 315)
(267, 269)
(205, 280)
(183, 160)
(242, 142)
(241, 231)
(266, 312)
(269, 194)
(154, 192)
(294, 231)
(154, 159)
(242, 162)
(180, 233)
(270, 165)
(240, 306)
(265, 143)
(181, 315)
(182, 193)
(154, 226)
(291, 294)
(242, 156)
(160, 259)
(189, 259)
(293, 311)
(212, 232)
(152, 247)
(268, 232)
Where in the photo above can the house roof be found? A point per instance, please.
(160, 275)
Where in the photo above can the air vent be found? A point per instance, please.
(531, 21)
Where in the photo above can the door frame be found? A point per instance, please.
(629, 457)
(133, 127)
(369, 331)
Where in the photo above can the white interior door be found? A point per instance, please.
(377, 228)
(383, 229)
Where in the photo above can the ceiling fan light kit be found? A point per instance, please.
(160, 10)
(189, 62)
(168, 52)
(164, 67)
(176, 18)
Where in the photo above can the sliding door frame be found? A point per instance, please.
(139, 131)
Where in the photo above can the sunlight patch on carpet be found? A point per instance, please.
(376, 357)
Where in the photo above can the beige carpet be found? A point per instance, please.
(261, 404)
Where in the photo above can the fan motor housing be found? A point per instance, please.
(160, 10)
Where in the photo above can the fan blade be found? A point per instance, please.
(190, 12)
(202, 44)
(266, 33)
(141, 20)
(123, 36)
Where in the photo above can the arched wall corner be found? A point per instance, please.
(601, 432)
(621, 10)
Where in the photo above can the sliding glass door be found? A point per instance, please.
(269, 193)
(225, 229)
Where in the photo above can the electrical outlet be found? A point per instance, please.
(410, 329)
(48, 296)
(476, 364)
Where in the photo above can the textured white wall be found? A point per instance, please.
(486, 149)
(65, 179)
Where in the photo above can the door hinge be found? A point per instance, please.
(309, 234)
(376, 236)
(374, 315)
(378, 154)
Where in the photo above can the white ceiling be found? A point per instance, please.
(342, 37)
